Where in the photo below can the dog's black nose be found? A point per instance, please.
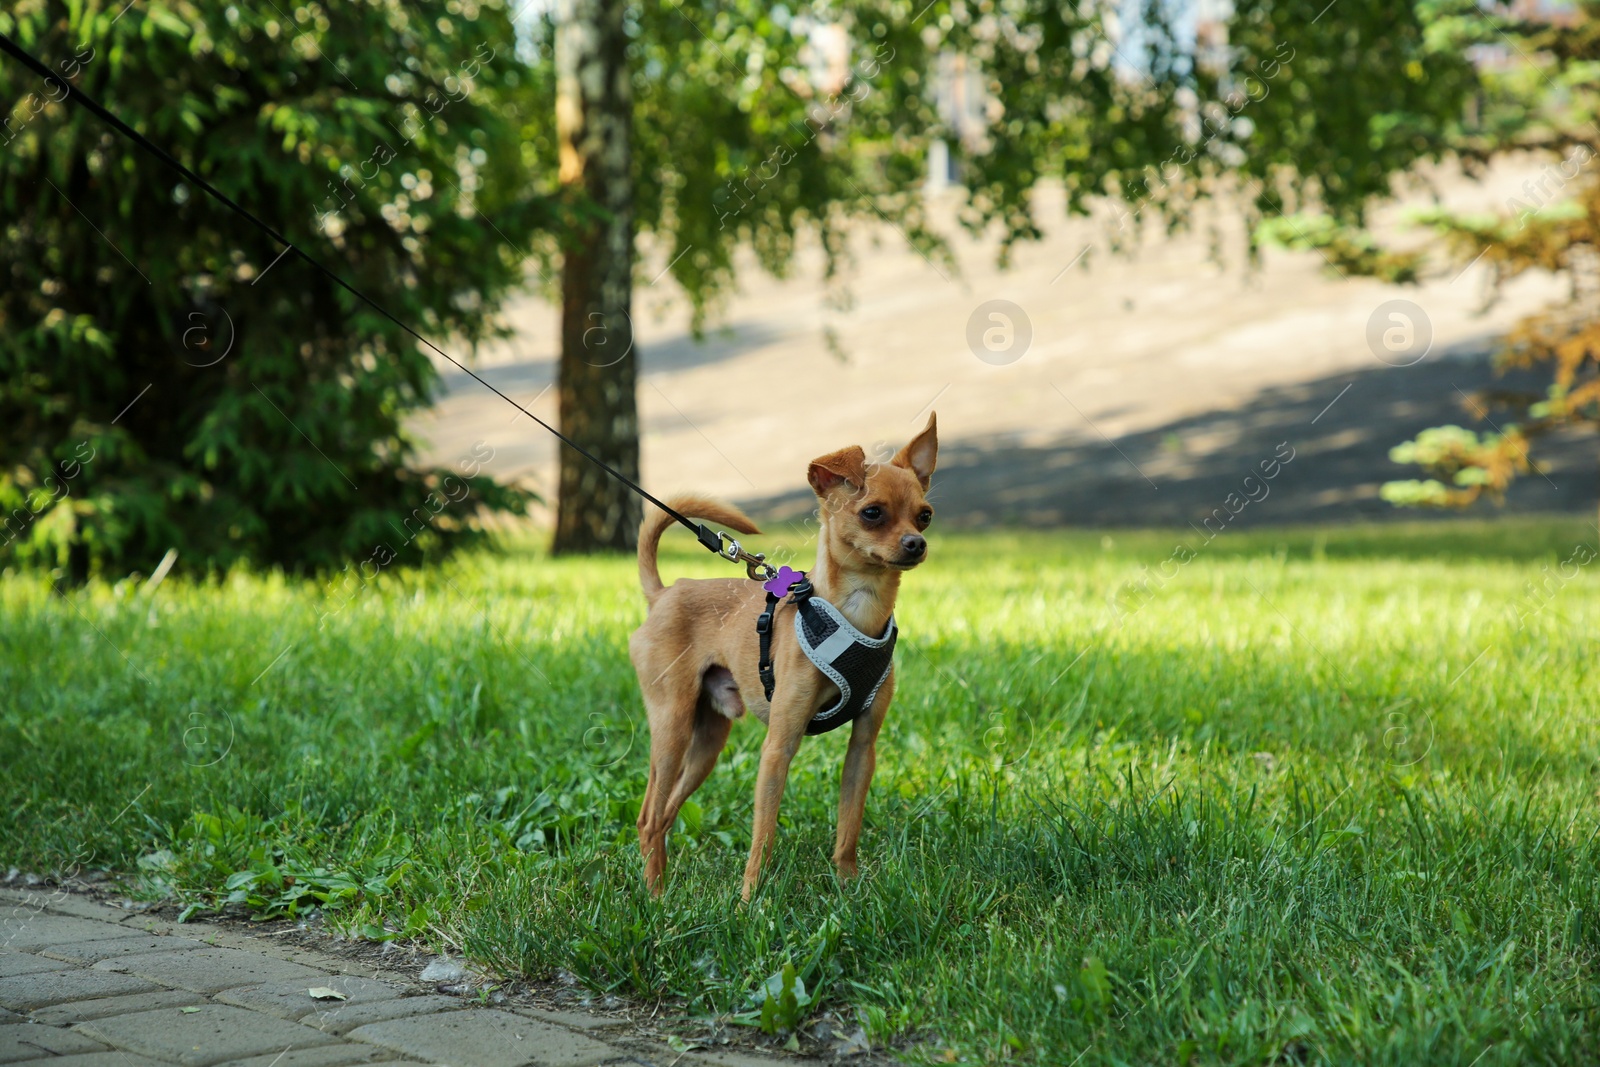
(913, 544)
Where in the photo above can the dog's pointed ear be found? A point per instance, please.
(846, 465)
(921, 453)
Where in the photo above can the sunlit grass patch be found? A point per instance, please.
(1319, 795)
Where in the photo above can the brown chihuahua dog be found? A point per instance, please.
(697, 653)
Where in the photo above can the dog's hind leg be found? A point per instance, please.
(671, 730)
(710, 735)
(716, 704)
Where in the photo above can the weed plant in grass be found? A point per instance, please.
(1321, 796)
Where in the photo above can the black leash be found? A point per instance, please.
(755, 562)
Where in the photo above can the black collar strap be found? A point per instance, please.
(801, 590)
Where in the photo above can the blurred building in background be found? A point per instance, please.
(1562, 11)
(963, 106)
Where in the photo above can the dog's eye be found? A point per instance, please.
(924, 517)
(871, 514)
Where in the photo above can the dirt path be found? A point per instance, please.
(1151, 383)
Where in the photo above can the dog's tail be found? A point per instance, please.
(656, 522)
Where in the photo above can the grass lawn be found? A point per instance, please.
(1310, 796)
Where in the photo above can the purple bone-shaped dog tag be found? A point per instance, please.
(780, 584)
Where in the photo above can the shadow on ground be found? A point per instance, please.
(679, 353)
(1183, 471)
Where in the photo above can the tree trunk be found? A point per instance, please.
(594, 121)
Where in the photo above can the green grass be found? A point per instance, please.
(1325, 797)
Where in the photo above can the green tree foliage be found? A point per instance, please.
(1549, 229)
(752, 130)
(406, 145)
(742, 139)
(1536, 93)
(1368, 89)
(738, 141)
(167, 380)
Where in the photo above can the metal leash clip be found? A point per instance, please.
(756, 565)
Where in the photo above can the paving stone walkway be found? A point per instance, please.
(87, 985)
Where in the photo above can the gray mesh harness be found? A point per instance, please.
(856, 663)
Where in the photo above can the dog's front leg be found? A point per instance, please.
(786, 728)
(859, 762)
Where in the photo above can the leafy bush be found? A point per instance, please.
(172, 377)
(1465, 464)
